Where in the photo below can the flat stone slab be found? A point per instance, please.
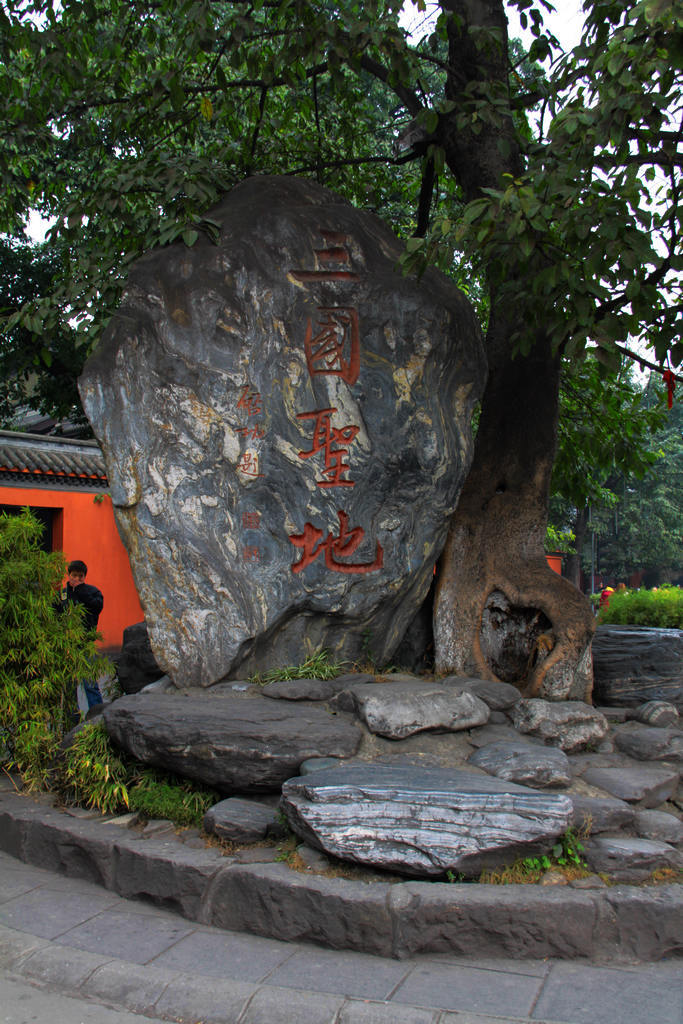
(311, 689)
(598, 814)
(629, 781)
(421, 821)
(658, 825)
(630, 860)
(650, 743)
(545, 767)
(399, 709)
(234, 742)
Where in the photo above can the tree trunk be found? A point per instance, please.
(500, 612)
(573, 562)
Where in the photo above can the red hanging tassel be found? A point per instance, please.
(669, 379)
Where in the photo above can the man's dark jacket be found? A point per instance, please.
(92, 600)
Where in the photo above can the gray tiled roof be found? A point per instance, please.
(37, 460)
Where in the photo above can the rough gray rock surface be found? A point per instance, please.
(136, 666)
(656, 712)
(570, 725)
(285, 421)
(600, 814)
(650, 743)
(242, 821)
(658, 825)
(545, 767)
(236, 743)
(634, 664)
(629, 780)
(402, 706)
(499, 696)
(421, 821)
(630, 860)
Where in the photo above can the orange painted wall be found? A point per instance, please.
(85, 528)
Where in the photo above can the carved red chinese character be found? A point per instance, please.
(332, 262)
(312, 544)
(325, 437)
(333, 347)
(251, 554)
(254, 433)
(251, 520)
(248, 464)
(250, 400)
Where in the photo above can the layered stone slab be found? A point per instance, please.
(421, 821)
(633, 664)
(234, 742)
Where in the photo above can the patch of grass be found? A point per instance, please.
(93, 774)
(161, 795)
(565, 856)
(317, 666)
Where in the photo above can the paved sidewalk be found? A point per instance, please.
(75, 939)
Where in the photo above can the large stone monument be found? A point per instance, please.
(285, 420)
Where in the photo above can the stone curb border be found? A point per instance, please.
(387, 919)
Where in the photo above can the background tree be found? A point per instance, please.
(126, 121)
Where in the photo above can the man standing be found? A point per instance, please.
(80, 592)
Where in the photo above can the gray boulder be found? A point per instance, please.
(524, 764)
(646, 784)
(420, 821)
(237, 743)
(242, 821)
(570, 725)
(285, 421)
(630, 860)
(656, 712)
(649, 743)
(403, 706)
(499, 696)
(136, 666)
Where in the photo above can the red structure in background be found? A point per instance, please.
(64, 484)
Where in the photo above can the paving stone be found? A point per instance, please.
(354, 1012)
(134, 937)
(345, 973)
(62, 966)
(188, 998)
(225, 955)
(16, 946)
(586, 995)
(450, 987)
(48, 913)
(303, 1007)
(647, 921)
(126, 984)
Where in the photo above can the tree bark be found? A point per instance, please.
(500, 611)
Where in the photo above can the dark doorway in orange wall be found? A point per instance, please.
(46, 516)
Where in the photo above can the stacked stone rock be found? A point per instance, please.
(422, 777)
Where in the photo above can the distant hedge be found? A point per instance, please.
(663, 608)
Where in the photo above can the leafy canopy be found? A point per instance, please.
(124, 122)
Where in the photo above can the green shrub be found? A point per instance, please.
(42, 653)
(92, 773)
(662, 608)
